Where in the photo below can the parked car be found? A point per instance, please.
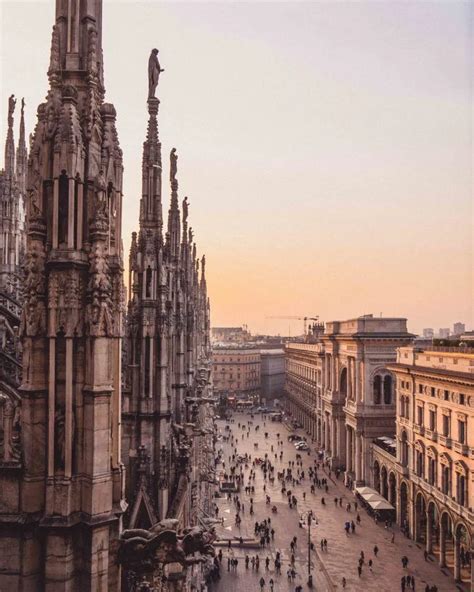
(301, 445)
(295, 438)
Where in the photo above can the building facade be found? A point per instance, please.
(433, 473)
(236, 371)
(230, 334)
(340, 390)
(272, 373)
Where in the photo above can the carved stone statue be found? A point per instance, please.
(185, 209)
(154, 70)
(101, 194)
(146, 551)
(173, 165)
(11, 109)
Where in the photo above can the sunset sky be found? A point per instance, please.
(326, 147)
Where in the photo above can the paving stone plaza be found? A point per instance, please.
(343, 551)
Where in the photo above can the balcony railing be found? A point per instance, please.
(445, 441)
(431, 434)
(461, 448)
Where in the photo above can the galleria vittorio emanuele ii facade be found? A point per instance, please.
(106, 419)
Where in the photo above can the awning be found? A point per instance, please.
(372, 497)
(362, 490)
(381, 505)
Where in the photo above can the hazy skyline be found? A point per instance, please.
(326, 148)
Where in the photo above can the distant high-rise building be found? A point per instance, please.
(428, 333)
(444, 333)
(459, 328)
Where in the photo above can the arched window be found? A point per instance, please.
(445, 475)
(343, 382)
(378, 389)
(420, 460)
(461, 489)
(387, 389)
(432, 463)
(149, 275)
(461, 483)
(63, 209)
(404, 450)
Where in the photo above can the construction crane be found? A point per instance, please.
(304, 319)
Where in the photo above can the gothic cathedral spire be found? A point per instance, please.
(71, 325)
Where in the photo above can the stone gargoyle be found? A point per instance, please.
(140, 550)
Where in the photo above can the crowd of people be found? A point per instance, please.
(295, 480)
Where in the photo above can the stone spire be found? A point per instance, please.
(72, 320)
(78, 26)
(174, 224)
(151, 214)
(203, 275)
(21, 154)
(185, 208)
(10, 144)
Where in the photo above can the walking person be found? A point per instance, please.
(262, 583)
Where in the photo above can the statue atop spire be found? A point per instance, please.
(9, 144)
(154, 71)
(173, 166)
(21, 154)
(11, 109)
(185, 209)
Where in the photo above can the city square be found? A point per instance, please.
(236, 296)
(330, 565)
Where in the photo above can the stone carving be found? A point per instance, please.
(34, 194)
(144, 551)
(10, 430)
(173, 165)
(185, 210)
(98, 313)
(54, 63)
(11, 109)
(65, 303)
(100, 204)
(154, 71)
(34, 312)
(92, 51)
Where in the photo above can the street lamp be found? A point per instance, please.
(309, 518)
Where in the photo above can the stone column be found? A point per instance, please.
(457, 562)
(442, 545)
(341, 442)
(358, 457)
(349, 378)
(358, 392)
(429, 528)
(348, 449)
(334, 440)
